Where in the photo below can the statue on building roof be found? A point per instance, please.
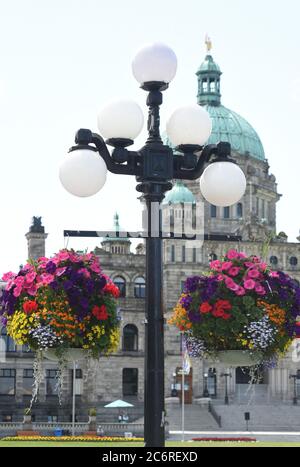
(36, 226)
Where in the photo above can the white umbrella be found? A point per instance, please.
(118, 404)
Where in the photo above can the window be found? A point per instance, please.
(121, 284)
(213, 211)
(293, 261)
(173, 253)
(26, 349)
(194, 255)
(7, 418)
(27, 381)
(239, 210)
(274, 260)
(78, 382)
(263, 208)
(212, 382)
(139, 287)
(52, 418)
(9, 343)
(7, 382)
(130, 338)
(226, 212)
(183, 255)
(130, 381)
(51, 383)
(204, 86)
(213, 257)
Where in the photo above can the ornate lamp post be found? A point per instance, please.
(155, 165)
(295, 397)
(226, 376)
(174, 392)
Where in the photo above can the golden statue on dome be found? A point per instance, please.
(208, 43)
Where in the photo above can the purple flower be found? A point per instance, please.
(50, 267)
(68, 285)
(195, 317)
(186, 302)
(192, 284)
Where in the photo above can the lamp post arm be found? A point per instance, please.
(192, 174)
(131, 167)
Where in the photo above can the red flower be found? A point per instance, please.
(224, 304)
(29, 306)
(112, 289)
(226, 316)
(100, 312)
(205, 308)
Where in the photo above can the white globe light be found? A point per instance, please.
(83, 172)
(190, 124)
(121, 119)
(223, 183)
(154, 62)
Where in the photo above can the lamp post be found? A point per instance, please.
(295, 398)
(155, 165)
(226, 376)
(205, 390)
(174, 392)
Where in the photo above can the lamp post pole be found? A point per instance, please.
(295, 398)
(205, 390)
(226, 376)
(155, 165)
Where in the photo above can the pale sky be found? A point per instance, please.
(61, 60)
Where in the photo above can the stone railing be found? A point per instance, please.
(45, 428)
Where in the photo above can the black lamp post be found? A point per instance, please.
(155, 165)
(226, 376)
(295, 397)
(205, 390)
(174, 392)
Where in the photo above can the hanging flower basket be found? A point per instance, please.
(63, 308)
(241, 313)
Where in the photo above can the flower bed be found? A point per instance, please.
(237, 440)
(80, 439)
(240, 305)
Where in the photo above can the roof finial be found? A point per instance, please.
(208, 43)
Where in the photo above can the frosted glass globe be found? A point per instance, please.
(83, 172)
(121, 119)
(154, 62)
(223, 183)
(190, 124)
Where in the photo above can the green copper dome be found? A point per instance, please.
(179, 194)
(230, 127)
(209, 65)
(116, 228)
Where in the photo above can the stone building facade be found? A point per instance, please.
(248, 226)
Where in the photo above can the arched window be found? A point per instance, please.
(130, 381)
(226, 212)
(213, 257)
(139, 287)
(213, 211)
(130, 338)
(274, 260)
(9, 343)
(121, 284)
(239, 210)
(293, 261)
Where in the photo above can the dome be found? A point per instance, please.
(209, 65)
(179, 194)
(227, 125)
(230, 127)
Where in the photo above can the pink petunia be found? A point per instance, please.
(220, 277)
(230, 284)
(226, 265)
(242, 255)
(216, 265)
(249, 265)
(232, 254)
(253, 274)
(29, 278)
(241, 291)
(47, 278)
(274, 274)
(95, 267)
(33, 290)
(249, 284)
(263, 266)
(17, 291)
(260, 290)
(234, 271)
(8, 276)
(85, 272)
